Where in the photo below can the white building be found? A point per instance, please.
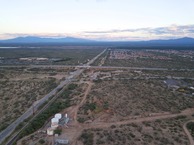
(50, 131)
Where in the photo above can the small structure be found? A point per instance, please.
(50, 131)
(54, 123)
(61, 141)
(58, 115)
(192, 88)
(66, 119)
(41, 59)
(172, 83)
(25, 59)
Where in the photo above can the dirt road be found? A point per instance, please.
(82, 101)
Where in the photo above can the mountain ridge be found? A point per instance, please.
(184, 41)
(34, 39)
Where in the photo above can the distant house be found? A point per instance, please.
(26, 59)
(41, 59)
(192, 88)
(172, 83)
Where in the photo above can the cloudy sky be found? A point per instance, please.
(98, 19)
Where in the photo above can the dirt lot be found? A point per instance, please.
(21, 87)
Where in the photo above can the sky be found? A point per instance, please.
(97, 19)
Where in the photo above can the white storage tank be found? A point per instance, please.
(54, 123)
(58, 115)
(54, 120)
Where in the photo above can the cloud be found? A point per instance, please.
(172, 31)
(115, 31)
(101, 0)
(95, 0)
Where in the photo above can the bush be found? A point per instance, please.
(180, 117)
(66, 94)
(72, 86)
(106, 105)
(87, 138)
(41, 141)
(132, 135)
(113, 126)
(90, 106)
(81, 120)
(57, 131)
(190, 126)
(158, 121)
(100, 142)
(20, 126)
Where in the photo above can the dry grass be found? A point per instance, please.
(21, 87)
(159, 132)
(133, 97)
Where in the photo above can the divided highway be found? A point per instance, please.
(5, 133)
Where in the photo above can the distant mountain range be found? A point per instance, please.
(32, 39)
(186, 41)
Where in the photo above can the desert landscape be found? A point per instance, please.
(96, 72)
(126, 105)
(101, 103)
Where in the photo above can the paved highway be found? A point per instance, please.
(88, 65)
(5, 133)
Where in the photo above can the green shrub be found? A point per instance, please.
(87, 138)
(81, 120)
(57, 131)
(41, 141)
(113, 126)
(89, 106)
(106, 105)
(190, 126)
(72, 86)
(181, 117)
